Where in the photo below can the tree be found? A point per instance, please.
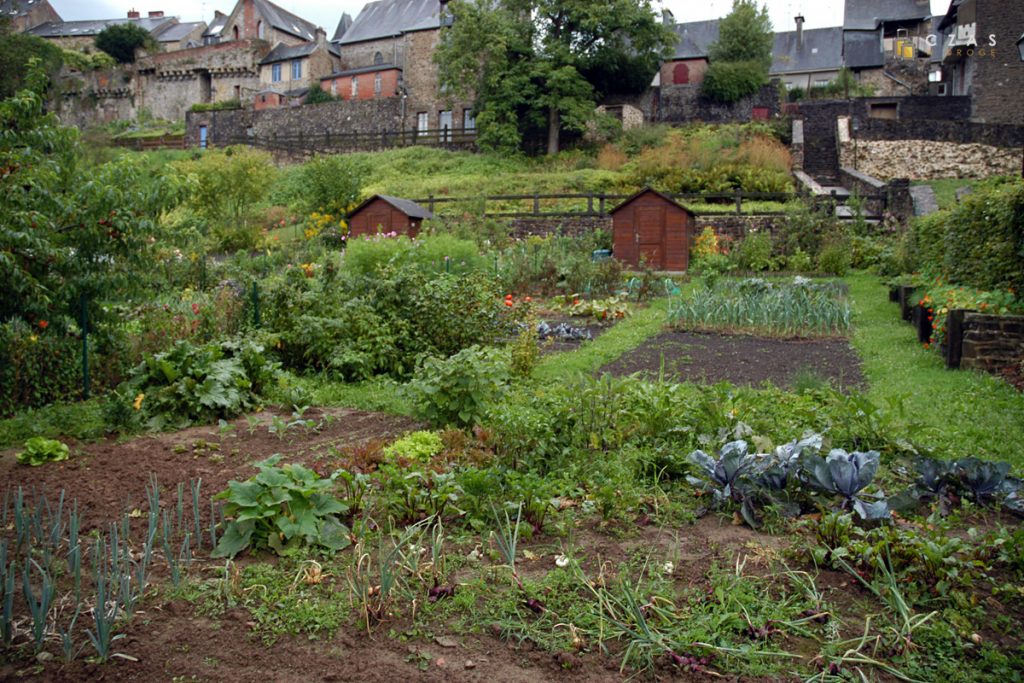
(15, 51)
(68, 228)
(742, 56)
(536, 64)
(120, 41)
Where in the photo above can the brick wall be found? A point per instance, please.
(991, 342)
(342, 86)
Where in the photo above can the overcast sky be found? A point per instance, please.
(326, 13)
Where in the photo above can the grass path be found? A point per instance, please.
(960, 412)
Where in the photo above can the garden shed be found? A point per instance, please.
(382, 213)
(653, 227)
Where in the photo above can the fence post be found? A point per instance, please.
(84, 305)
(739, 201)
(601, 204)
(255, 303)
(536, 204)
(955, 338)
(430, 203)
(590, 204)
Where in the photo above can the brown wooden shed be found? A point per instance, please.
(382, 213)
(653, 227)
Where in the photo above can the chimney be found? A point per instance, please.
(321, 37)
(667, 18)
(156, 15)
(799, 31)
(133, 14)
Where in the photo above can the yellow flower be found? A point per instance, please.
(33, 338)
(137, 404)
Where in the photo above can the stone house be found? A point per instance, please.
(263, 20)
(980, 57)
(886, 44)
(388, 51)
(807, 58)
(292, 69)
(26, 14)
(181, 36)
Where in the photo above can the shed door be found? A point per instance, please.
(378, 222)
(650, 235)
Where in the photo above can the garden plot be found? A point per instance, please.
(709, 357)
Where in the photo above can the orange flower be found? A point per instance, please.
(508, 302)
(43, 324)
(527, 299)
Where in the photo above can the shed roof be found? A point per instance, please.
(283, 53)
(406, 206)
(866, 15)
(822, 50)
(386, 18)
(648, 190)
(693, 38)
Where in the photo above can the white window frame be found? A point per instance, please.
(378, 84)
(468, 120)
(355, 87)
(275, 73)
(296, 69)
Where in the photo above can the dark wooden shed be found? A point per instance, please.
(382, 213)
(653, 227)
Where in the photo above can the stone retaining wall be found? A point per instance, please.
(992, 342)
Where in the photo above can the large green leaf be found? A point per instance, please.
(235, 539)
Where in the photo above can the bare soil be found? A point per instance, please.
(741, 359)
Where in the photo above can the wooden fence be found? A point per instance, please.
(595, 204)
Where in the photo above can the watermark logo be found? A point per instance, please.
(961, 42)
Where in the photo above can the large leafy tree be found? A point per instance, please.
(120, 41)
(68, 228)
(543, 64)
(15, 51)
(742, 56)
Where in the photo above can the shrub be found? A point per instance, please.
(732, 81)
(223, 105)
(834, 259)
(455, 390)
(331, 184)
(37, 366)
(754, 252)
(434, 253)
(558, 264)
(120, 41)
(799, 261)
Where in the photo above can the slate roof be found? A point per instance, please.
(283, 20)
(386, 18)
(406, 206)
(284, 53)
(16, 8)
(176, 32)
(361, 70)
(822, 51)
(217, 25)
(863, 49)
(694, 38)
(91, 27)
(865, 15)
(343, 26)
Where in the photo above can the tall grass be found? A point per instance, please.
(797, 309)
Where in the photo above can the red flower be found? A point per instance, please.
(195, 308)
(527, 299)
(508, 302)
(43, 324)
(508, 297)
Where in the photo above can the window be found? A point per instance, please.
(234, 32)
(819, 83)
(238, 93)
(355, 87)
(422, 122)
(259, 30)
(468, 120)
(334, 87)
(377, 83)
(378, 59)
(444, 122)
(296, 69)
(275, 73)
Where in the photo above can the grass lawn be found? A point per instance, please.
(960, 412)
(945, 188)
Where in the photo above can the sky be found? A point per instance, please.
(326, 13)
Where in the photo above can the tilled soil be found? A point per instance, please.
(741, 359)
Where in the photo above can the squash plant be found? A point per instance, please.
(283, 508)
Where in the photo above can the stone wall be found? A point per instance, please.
(684, 104)
(737, 227)
(992, 342)
(95, 97)
(924, 159)
(310, 120)
(999, 77)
